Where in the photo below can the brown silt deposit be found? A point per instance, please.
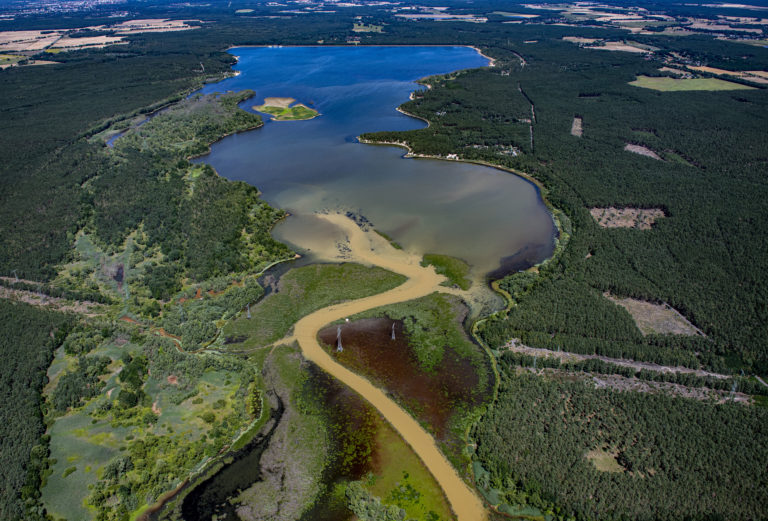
(369, 248)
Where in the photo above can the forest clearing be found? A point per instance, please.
(667, 84)
(639, 218)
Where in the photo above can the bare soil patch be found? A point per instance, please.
(643, 151)
(283, 103)
(604, 460)
(516, 346)
(622, 383)
(656, 318)
(578, 39)
(618, 46)
(41, 300)
(577, 127)
(41, 62)
(90, 41)
(172, 379)
(637, 218)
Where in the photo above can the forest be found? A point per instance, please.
(26, 349)
(587, 454)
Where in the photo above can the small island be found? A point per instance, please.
(282, 109)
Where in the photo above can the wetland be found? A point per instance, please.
(337, 189)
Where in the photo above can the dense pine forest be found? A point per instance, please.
(26, 349)
(579, 452)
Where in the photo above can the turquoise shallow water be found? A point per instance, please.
(477, 213)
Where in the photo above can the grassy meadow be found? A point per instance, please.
(302, 291)
(667, 84)
(295, 113)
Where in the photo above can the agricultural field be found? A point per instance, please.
(667, 84)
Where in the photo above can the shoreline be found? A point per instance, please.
(491, 61)
(413, 155)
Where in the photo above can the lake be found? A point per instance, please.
(485, 216)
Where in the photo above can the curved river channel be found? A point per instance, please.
(485, 216)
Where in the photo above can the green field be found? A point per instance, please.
(9, 59)
(302, 291)
(297, 112)
(363, 28)
(667, 84)
(75, 442)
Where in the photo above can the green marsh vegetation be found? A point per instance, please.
(455, 269)
(155, 416)
(302, 291)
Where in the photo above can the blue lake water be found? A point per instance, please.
(480, 214)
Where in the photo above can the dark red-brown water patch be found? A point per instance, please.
(368, 349)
